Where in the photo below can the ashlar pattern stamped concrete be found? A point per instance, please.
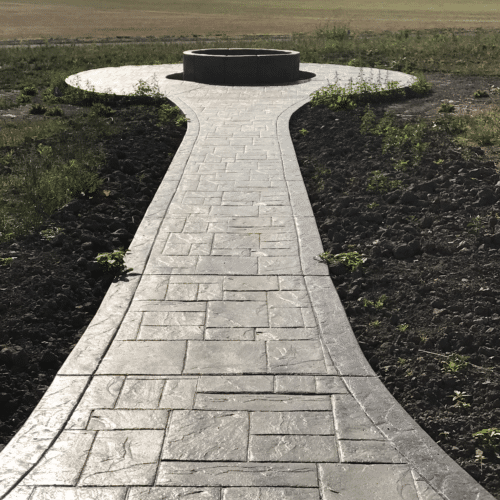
(224, 367)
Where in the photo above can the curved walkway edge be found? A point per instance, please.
(224, 366)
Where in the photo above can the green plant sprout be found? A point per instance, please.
(113, 262)
(51, 233)
(480, 93)
(401, 166)
(458, 398)
(403, 327)
(489, 440)
(423, 338)
(446, 107)
(379, 182)
(172, 114)
(6, 261)
(375, 323)
(456, 363)
(303, 131)
(352, 260)
(373, 205)
(378, 304)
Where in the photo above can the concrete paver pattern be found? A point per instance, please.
(224, 367)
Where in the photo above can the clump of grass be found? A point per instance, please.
(352, 260)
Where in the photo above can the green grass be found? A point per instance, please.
(37, 179)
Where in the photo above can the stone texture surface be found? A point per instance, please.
(224, 367)
(207, 435)
(367, 482)
(123, 458)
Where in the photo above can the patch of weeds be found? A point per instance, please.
(423, 338)
(23, 99)
(6, 261)
(54, 112)
(401, 166)
(446, 107)
(37, 109)
(113, 262)
(337, 97)
(456, 363)
(396, 138)
(378, 304)
(403, 327)
(489, 441)
(380, 183)
(99, 109)
(51, 232)
(352, 260)
(29, 90)
(172, 114)
(480, 93)
(458, 398)
(375, 323)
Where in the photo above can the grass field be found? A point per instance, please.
(26, 166)
(30, 19)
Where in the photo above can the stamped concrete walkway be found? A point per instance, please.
(224, 367)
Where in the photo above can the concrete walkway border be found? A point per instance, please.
(303, 418)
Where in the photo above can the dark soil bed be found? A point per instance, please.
(439, 276)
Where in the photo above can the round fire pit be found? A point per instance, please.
(241, 66)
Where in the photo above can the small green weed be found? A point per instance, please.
(438, 162)
(378, 304)
(29, 90)
(480, 93)
(23, 99)
(479, 457)
(351, 260)
(373, 205)
(489, 440)
(51, 232)
(401, 166)
(456, 363)
(446, 107)
(113, 262)
(375, 323)
(303, 131)
(423, 338)
(6, 261)
(475, 225)
(379, 182)
(172, 114)
(54, 112)
(458, 398)
(37, 109)
(403, 327)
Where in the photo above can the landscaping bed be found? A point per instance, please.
(424, 305)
